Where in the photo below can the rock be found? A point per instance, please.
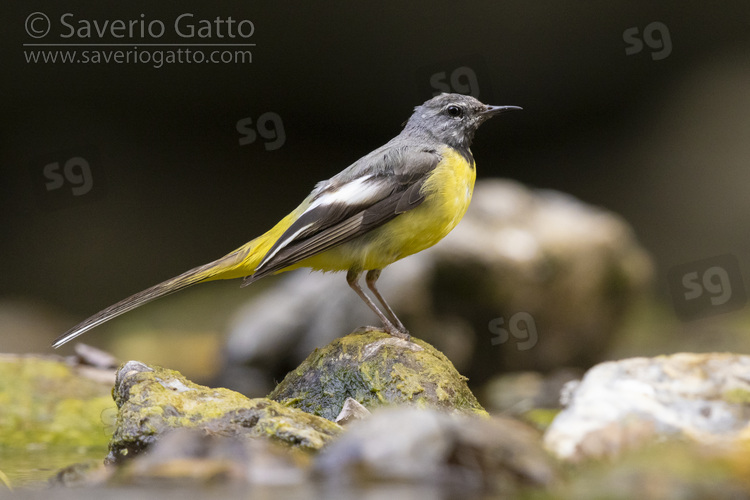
(622, 404)
(375, 369)
(82, 474)
(48, 401)
(94, 363)
(529, 280)
(194, 455)
(541, 279)
(92, 356)
(153, 401)
(406, 444)
(352, 411)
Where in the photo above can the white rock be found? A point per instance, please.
(627, 402)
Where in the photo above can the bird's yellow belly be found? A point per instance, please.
(448, 193)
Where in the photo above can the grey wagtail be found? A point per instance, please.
(398, 200)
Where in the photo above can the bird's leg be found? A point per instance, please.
(371, 278)
(352, 277)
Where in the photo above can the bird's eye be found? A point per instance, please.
(454, 111)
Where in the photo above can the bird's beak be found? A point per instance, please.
(496, 110)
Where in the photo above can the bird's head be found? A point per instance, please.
(452, 118)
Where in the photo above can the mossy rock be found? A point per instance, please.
(45, 401)
(153, 401)
(376, 369)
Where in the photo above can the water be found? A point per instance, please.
(33, 465)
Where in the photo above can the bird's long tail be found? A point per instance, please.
(240, 263)
(237, 264)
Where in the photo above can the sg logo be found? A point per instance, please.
(59, 182)
(462, 80)
(268, 126)
(76, 172)
(715, 282)
(521, 326)
(707, 287)
(656, 36)
(466, 75)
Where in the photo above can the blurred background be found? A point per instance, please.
(118, 175)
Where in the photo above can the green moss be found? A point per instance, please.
(541, 418)
(43, 401)
(375, 369)
(737, 396)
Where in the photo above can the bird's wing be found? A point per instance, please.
(390, 184)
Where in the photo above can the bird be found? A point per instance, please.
(399, 199)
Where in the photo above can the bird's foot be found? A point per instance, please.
(391, 331)
(402, 334)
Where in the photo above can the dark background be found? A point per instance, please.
(660, 136)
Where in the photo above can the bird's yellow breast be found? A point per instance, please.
(448, 193)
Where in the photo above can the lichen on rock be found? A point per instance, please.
(153, 401)
(375, 369)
